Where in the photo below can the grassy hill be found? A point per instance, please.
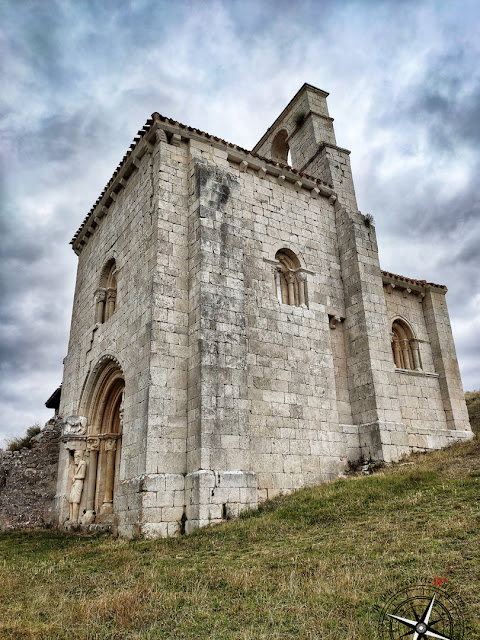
(312, 565)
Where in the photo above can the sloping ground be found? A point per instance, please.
(312, 565)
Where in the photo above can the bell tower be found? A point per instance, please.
(305, 129)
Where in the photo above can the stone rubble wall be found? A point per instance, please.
(28, 481)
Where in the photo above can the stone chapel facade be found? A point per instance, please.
(233, 335)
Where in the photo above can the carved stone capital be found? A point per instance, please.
(100, 295)
(93, 443)
(74, 443)
(111, 294)
(110, 442)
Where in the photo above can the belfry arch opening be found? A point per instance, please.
(104, 410)
(280, 148)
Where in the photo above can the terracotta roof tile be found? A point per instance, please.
(157, 117)
(412, 280)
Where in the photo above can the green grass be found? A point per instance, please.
(311, 565)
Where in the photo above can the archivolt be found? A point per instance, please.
(106, 374)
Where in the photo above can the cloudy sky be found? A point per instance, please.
(80, 77)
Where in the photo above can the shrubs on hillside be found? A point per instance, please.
(473, 405)
(26, 442)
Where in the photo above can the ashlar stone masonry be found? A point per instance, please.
(233, 335)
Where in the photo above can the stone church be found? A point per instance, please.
(233, 336)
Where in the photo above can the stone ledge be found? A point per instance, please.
(414, 372)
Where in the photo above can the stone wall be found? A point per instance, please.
(234, 393)
(28, 481)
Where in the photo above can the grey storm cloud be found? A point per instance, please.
(80, 78)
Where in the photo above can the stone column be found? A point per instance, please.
(301, 279)
(93, 445)
(110, 444)
(407, 364)
(416, 355)
(397, 352)
(111, 300)
(99, 305)
(291, 290)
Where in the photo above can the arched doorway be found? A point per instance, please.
(104, 410)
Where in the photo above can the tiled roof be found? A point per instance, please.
(422, 283)
(156, 117)
(54, 400)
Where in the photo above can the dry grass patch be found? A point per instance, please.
(313, 564)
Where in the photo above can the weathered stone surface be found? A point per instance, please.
(28, 482)
(233, 336)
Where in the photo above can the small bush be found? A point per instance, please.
(299, 118)
(26, 442)
(369, 220)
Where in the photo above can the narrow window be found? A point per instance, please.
(106, 294)
(290, 280)
(404, 347)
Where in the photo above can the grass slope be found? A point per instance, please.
(314, 564)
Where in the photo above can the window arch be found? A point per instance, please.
(290, 279)
(280, 149)
(404, 347)
(106, 294)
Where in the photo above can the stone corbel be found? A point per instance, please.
(262, 172)
(334, 320)
(176, 140)
(243, 166)
(160, 136)
(389, 287)
(406, 291)
(420, 296)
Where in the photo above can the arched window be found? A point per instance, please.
(106, 294)
(280, 148)
(290, 279)
(404, 347)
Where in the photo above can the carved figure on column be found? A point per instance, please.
(80, 470)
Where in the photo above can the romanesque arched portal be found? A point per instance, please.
(103, 404)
